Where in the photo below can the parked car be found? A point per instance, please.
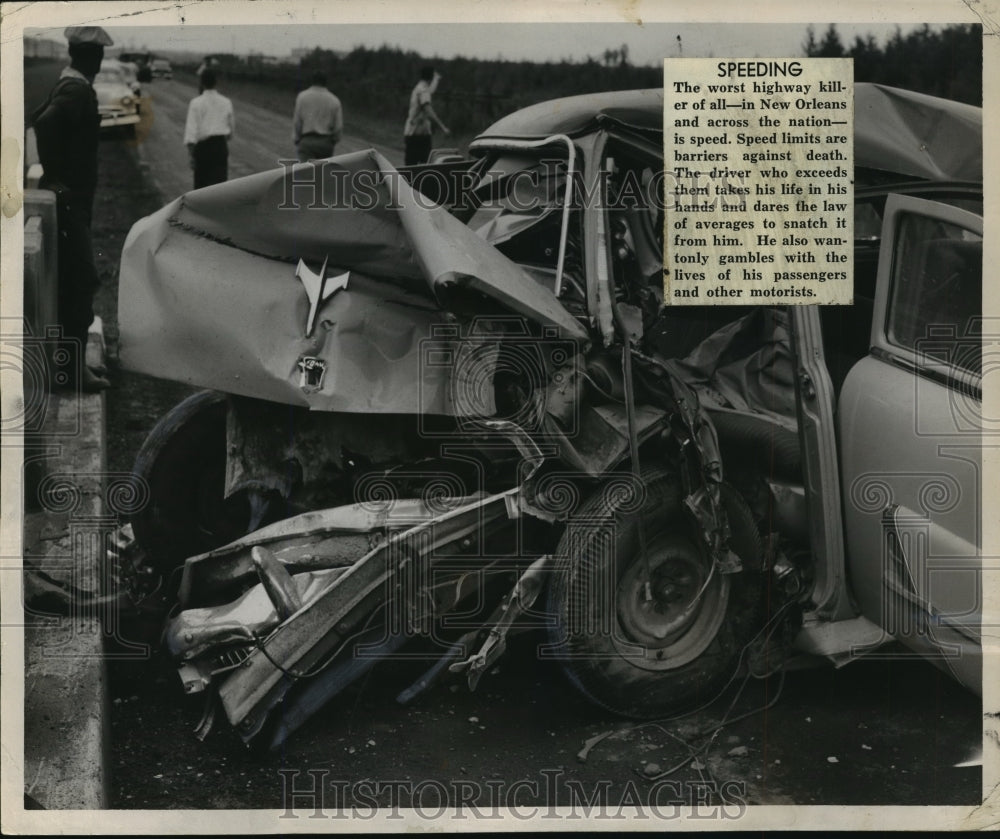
(449, 405)
(131, 73)
(117, 102)
(161, 69)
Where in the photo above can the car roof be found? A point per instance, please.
(574, 115)
(910, 134)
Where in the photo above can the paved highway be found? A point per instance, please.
(263, 137)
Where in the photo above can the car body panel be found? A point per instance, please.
(818, 438)
(917, 135)
(248, 335)
(911, 452)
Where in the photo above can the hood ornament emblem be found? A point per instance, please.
(311, 373)
(319, 288)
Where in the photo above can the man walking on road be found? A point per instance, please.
(318, 121)
(209, 128)
(207, 64)
(67, 128)
(419, 122)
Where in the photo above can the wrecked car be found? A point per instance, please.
(445, 404)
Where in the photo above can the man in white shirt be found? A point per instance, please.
(209, 128)
(420, 119)
(318, 121)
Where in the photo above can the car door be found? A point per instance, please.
(910, 428)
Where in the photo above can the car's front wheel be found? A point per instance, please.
(182, 464)
(645, 624)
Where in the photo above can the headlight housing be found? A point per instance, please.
(127, 100)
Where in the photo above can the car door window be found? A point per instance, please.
(935, 298)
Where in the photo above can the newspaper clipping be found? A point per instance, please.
(761, 153)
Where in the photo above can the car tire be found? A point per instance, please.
(182, 465)
(641, 658)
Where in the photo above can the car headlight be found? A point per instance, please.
(127, 100)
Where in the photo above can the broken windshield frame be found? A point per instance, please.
(521, 145)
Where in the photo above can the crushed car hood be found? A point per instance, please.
(211, 290)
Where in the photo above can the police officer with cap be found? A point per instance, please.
(67, 129)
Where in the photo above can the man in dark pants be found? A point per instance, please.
(209, 128)
(421, 118)
(67, 130)
(207, 64)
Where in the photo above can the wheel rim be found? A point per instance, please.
(687, 608)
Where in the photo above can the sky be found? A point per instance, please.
(648, 43)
